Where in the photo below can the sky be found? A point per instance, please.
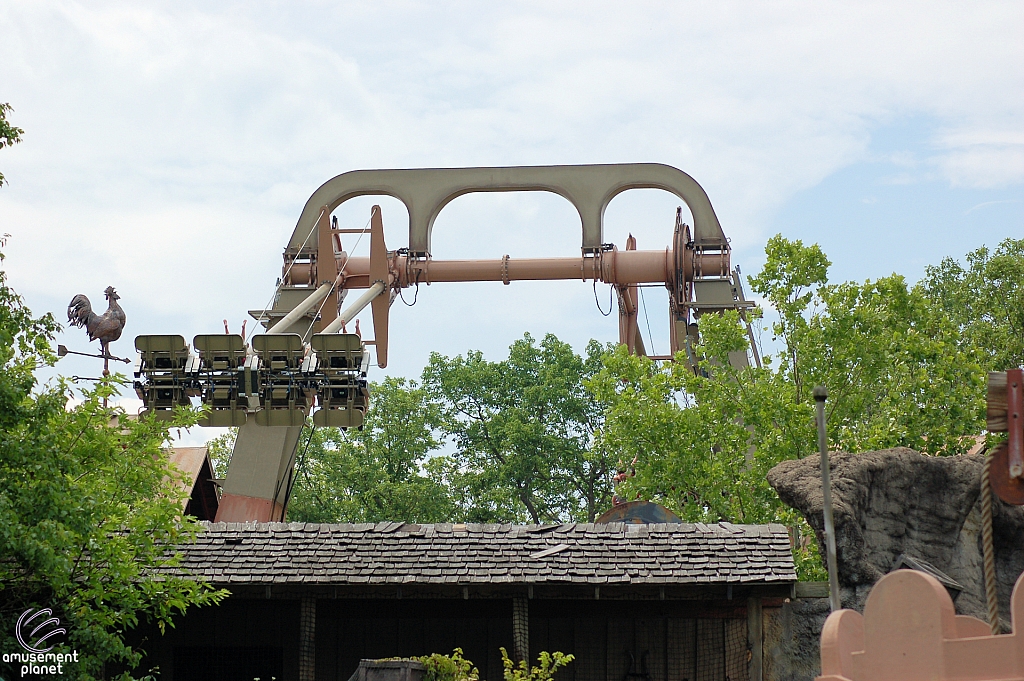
(169, 146)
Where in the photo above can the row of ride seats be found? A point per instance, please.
(275, 382)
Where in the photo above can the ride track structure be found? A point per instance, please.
(303, 365)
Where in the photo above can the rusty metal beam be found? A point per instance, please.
(612, 267)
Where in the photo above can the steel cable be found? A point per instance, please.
(650, 335)
(288, 271)
(598, 302)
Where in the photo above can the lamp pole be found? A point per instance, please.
(820, 395)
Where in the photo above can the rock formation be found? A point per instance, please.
(899, 502)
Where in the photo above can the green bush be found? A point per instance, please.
(549, 664)
(455, 667)
(452, 667)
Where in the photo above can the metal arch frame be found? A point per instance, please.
(590, 188)
(263, 456)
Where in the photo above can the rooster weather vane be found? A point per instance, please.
(106, 327)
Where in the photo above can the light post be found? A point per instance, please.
(820, 395)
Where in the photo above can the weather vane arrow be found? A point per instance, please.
(62, 350)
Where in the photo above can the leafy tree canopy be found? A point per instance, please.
(523, 430)
(902, 370)
(897, 372)
(88, 504)
(9, 134)
(379, 473)
(478, 441)
(984, 301)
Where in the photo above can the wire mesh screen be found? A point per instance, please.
(223, 663)
(704, 650)
(737, 655)
(521, 628)
(624, 648)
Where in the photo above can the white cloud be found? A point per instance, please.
(986, 204)
(982, 157)
(169, 147)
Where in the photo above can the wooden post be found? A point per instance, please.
(820, 395)
(996, 402)
(754, 638)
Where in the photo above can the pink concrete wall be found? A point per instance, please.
(910, 632)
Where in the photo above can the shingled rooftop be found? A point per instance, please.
(628, 600)
(473, 554)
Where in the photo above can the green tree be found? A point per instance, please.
(219, 449)
(897, 372)
(377, 473)
(89, 504)
(9, 135)
(705, 440)
(381, 472)
(984, 301)
(895, 368)
(790, 277)
(523, 430)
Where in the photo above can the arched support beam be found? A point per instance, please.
(590, 188)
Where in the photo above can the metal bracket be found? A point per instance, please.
(1015, 421)
(1005, 407)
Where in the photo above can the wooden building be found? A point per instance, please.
(632, 602)
(198, 481)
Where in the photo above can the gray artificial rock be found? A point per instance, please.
(791, 649)
(893, 502)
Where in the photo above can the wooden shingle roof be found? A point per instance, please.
(475, 554)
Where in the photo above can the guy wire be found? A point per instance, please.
(292, 474)
(288, 271)
(648, 319)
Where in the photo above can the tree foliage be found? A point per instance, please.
(984, 301)
(452, 667)
(379, 473)
(896, 369)
(375, 474)
(547, 665)
(704, 441)
(9, 135)
(522, 429)
(479, 441)
(88, 504)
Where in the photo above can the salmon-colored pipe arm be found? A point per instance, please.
(613, 267)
